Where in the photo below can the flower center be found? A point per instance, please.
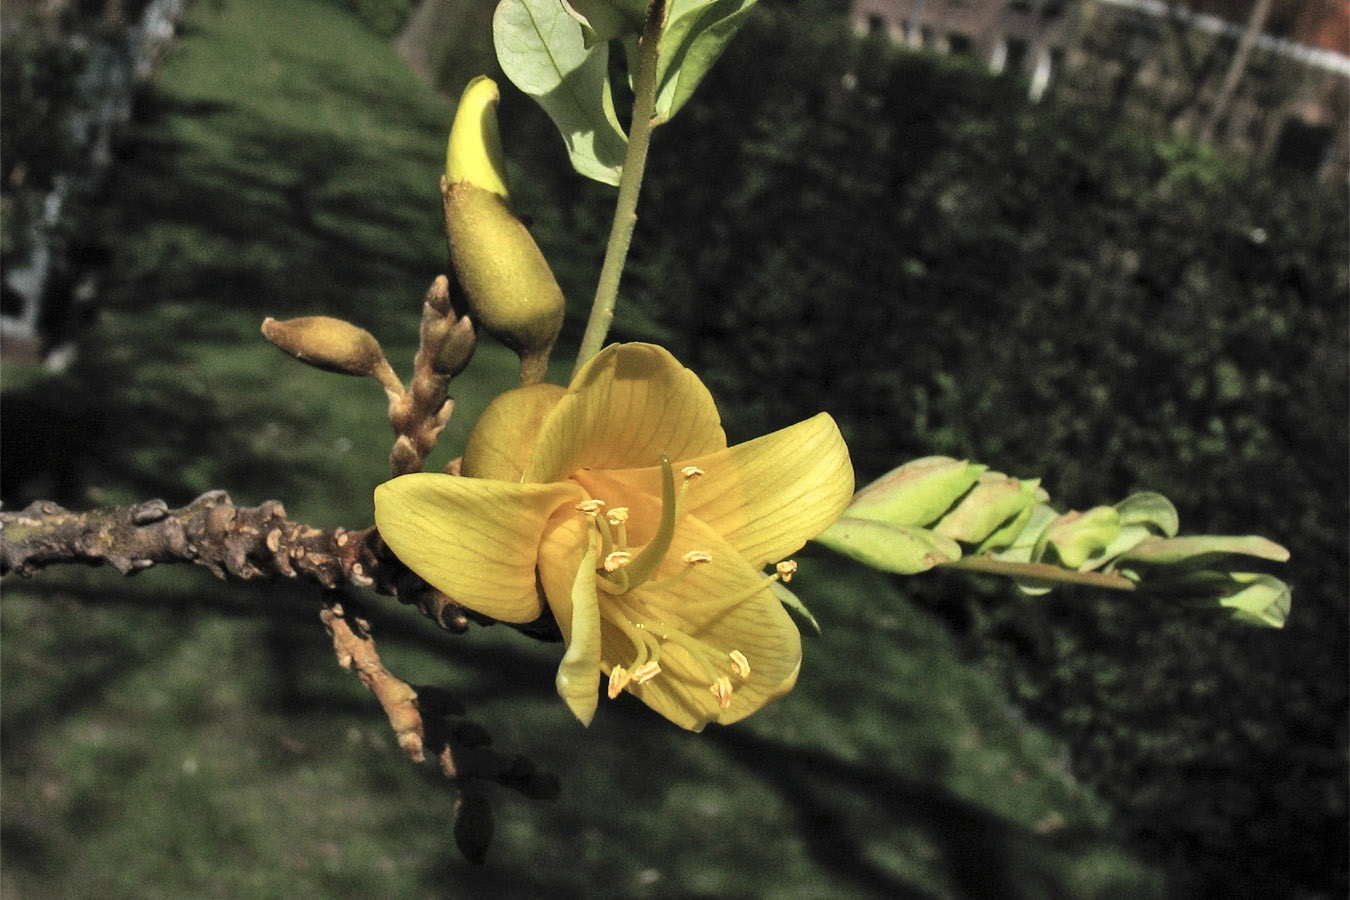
(622, 570)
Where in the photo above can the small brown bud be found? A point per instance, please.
(327, 343)
(456, 349)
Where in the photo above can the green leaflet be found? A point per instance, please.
(1258, 599)
(696, 33)
(1150, 509)
(1252, 598)
(541, 49)
(1201, 550)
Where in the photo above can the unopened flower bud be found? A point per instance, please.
(326, 343)
(508, 285)
(455, 349)
(500, 444)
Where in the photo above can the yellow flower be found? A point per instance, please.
(646, 534)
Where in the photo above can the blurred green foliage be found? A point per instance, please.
(384, 17)
(909, 244)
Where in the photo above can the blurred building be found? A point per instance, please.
(1025, 36)
(1274, 86)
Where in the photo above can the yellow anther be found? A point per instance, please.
(645, 672)
(697, 557)
(617, 560)
(721, 689)
(590, 507)
(739, 664)
(786, 569)
(618, 515)
(691, 472)
(618, 680)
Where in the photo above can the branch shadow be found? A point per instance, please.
(983, 856)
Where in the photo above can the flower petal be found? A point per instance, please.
(580, 667)
(728, 606)
(769, 496)
(626, 407)
(565, 542)
(473, 539)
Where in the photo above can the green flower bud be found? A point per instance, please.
(500, 444)
(329, 344)
(508, 285)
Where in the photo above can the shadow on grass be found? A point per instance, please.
(982, 855)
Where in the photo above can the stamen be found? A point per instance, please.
(646, 646)
(590, 507)
(786, 569)
(646, 672)
(617, 560)
(618, 515)
(701, 652)
(691, 559)
(618, 680)
(691, 472)
(721, 689)
(739, 664)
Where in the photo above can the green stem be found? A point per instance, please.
(1042, 572)
(630, 184)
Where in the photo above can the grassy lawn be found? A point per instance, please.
(169, 736)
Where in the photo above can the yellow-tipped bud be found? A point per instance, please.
(326, 343)
(474, 152)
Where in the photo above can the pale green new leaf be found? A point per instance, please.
(541, 49)
(696, 33)
(1258, 599)
(1202, 550)
(903, 549)
(1150, 509)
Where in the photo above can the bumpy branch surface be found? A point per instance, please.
(232, 542)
